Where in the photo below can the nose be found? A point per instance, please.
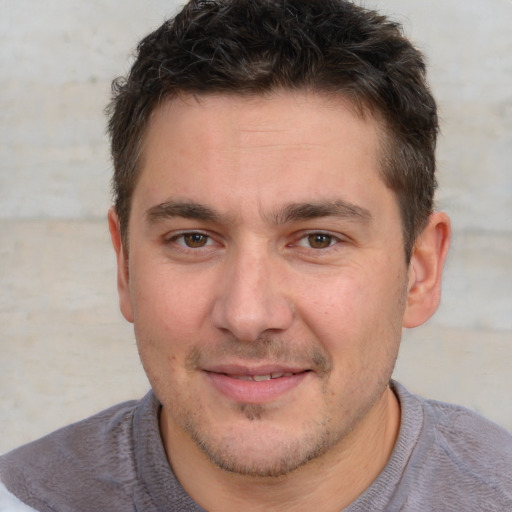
(251, 300)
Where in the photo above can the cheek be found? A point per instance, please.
(355, 309)
(336, 302)
(166, 326)
(169, 308)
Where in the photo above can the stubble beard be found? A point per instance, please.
(255, 453)
(240, 453)
(226, 451)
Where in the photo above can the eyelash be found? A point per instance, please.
(175, 239)
(332, 240)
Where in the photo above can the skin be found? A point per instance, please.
(264, 241)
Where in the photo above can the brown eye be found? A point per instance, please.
(319, 240)
(195, 240)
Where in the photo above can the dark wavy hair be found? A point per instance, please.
(245, 47)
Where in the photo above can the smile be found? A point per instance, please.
(260, 378)
(256, 387)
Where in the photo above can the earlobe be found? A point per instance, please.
(123, 284)
(426, 269)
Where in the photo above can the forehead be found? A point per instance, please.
(291, 113)
(294, 145)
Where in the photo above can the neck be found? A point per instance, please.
(334, 479)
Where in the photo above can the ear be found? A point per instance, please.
(123, 282)
(426, 269)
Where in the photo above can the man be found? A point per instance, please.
(274, 231)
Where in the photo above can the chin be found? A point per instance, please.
(260, 449)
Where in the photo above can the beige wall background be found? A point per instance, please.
(66, 352)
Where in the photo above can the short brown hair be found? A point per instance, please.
(256, 46)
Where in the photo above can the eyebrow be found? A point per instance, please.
(338, 208)
(291, 212)
(185, 209)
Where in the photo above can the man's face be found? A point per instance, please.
(266, 276)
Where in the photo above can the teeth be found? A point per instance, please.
(259, 378)
(242, 377)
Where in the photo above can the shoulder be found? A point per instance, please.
(476, 443)
(96, 453)
(9, 502)
(460, 459)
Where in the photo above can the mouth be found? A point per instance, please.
(245, 385)
(261, 378)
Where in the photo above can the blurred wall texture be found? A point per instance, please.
(66, 352)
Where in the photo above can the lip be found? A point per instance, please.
(233, 382)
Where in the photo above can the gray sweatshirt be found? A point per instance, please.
(446, 459)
